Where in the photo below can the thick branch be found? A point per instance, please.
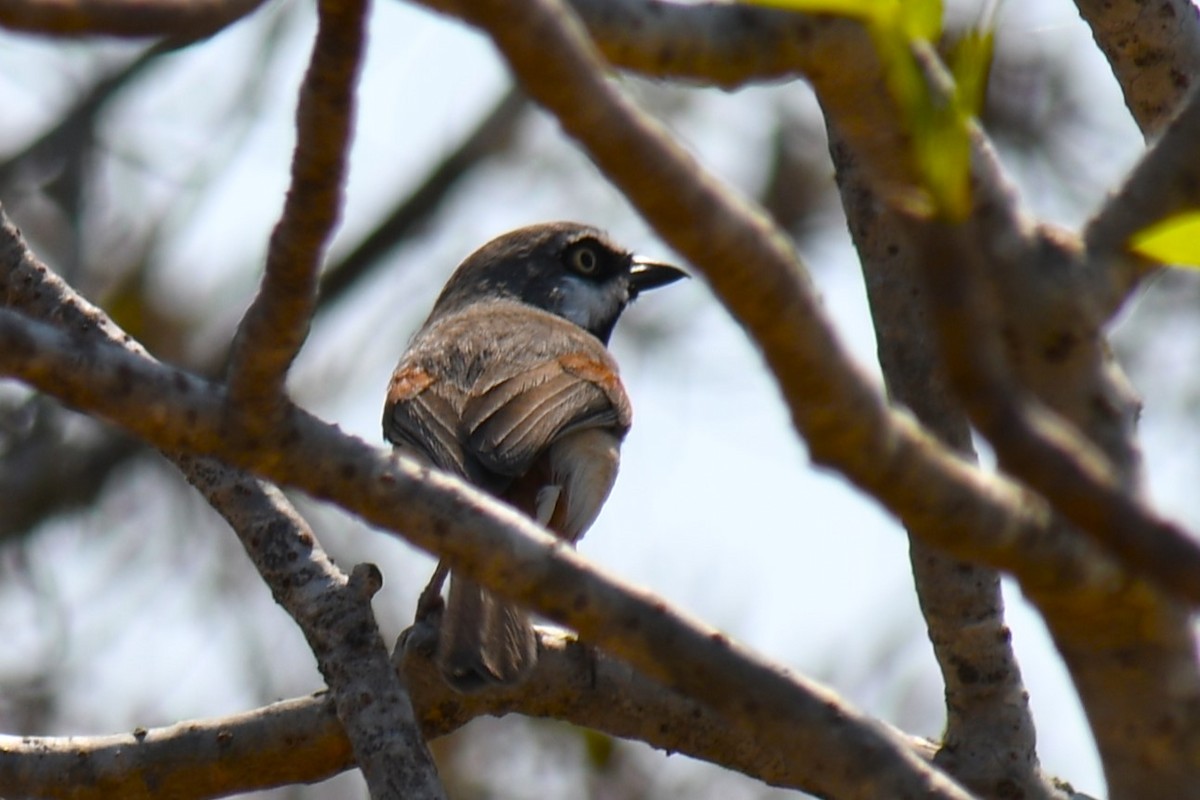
(128, 18)
(276, 324)
(488, 541)
(288, 742)
(989, 742)
(1030, 440)
(754, 272)
(1134, 720)
(301, 740)
(579, 684)
(333, 612)
(1154, 51)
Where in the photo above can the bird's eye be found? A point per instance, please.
(583, 259)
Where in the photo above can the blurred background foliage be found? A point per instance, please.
(150, 176)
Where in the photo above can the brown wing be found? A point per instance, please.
(516, 419)
(419, 417)
(485, 393)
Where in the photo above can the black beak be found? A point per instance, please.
(649, 274)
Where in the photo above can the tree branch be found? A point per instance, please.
(990, 738)
(731, 45)
(487, 540)
(287, 742)
(754, 272)
(301, 740)
(1166, 181)
(1154, 51)
(334, 613)
(1131, 719)
(1031, 441)
(125, 18)
(276, 324)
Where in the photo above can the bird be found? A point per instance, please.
(509, 384)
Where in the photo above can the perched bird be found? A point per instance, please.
(510, 385)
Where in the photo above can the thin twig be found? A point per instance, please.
(276, 324)
(1166, 181)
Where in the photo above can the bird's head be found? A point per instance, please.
(571, 270)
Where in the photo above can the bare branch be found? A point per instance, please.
(579, 684)
(490, 542)
(990, 737)
(714, 43)
(1166, 181)
(1039, 296)
(276, 323)
(335, 615)
(755, 273)
(301, 740)
(1154, 50)
(126, 18)
(734, 44)
(287, 742)
(1031, 441)
(333, 612)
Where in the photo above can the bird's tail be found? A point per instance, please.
(484, 641)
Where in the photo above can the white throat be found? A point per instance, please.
(589, 305)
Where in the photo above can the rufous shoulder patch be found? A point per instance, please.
(602, 374)
(590, 369)
(407, 383)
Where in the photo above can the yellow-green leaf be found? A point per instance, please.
(1174, 240)
(938, 125)
(870, 10)
(912, 19)
(970, 61)
(921, 20)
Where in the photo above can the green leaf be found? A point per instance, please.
(1174, 240)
